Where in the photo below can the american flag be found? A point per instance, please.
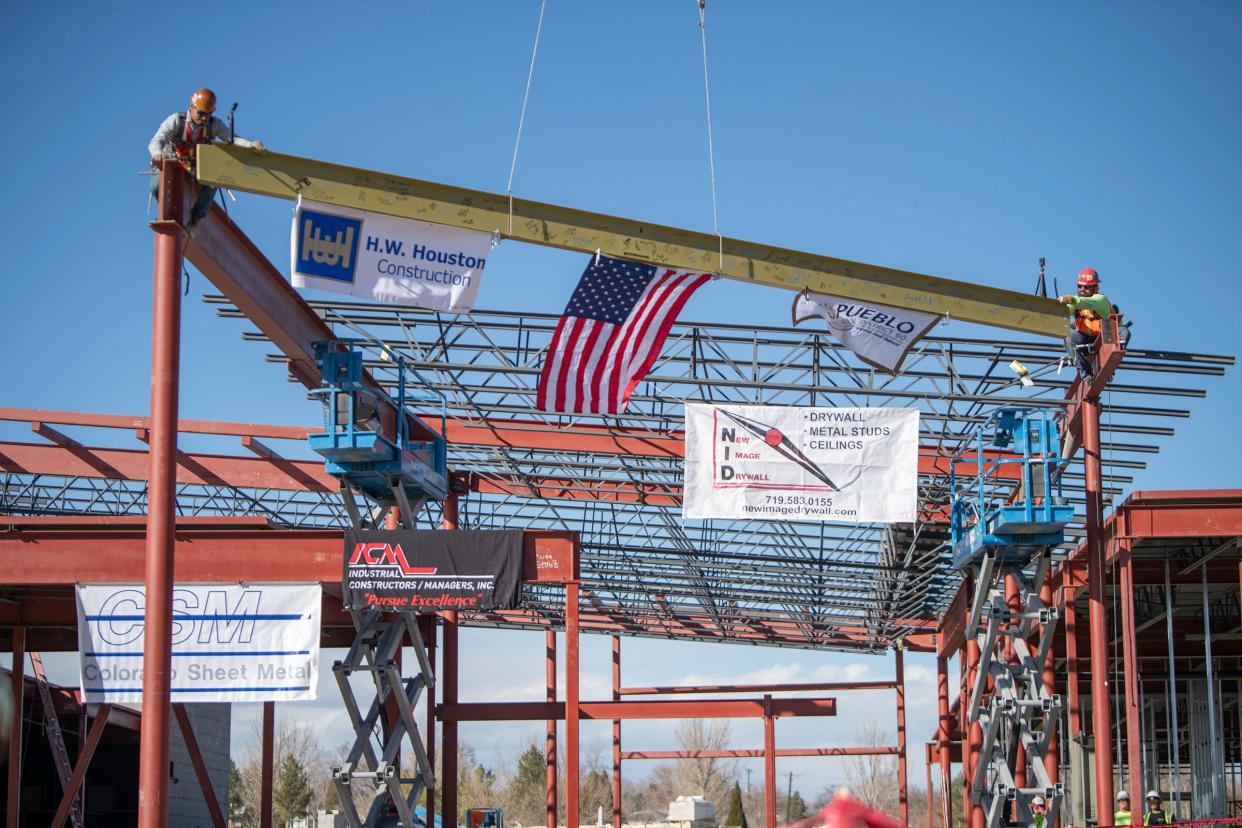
(611, 333)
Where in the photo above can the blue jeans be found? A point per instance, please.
(202, 204)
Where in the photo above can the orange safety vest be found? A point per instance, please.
(192, 136)
(1087, 322)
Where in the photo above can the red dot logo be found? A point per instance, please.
(773, 437)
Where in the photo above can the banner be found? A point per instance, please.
(878, 334)
(850, 465)
(425, 571)
(396, 260)
(230, 642)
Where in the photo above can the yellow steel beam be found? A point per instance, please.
(285, 176)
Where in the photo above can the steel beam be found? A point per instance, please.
(572, 706)
(903, 799)
(1101, 717)
(606, 710)
(161, 499)
(616, 734)
(756, 753)
(267, 764)
(549, 753)
(17, 679)
(287, 176)
(200, 767)
(85, 754)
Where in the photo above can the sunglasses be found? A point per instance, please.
(203, 113)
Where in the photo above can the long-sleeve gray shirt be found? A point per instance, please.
(167, 135)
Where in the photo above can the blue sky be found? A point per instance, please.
(963, 140)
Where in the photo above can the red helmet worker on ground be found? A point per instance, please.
(182, 132)
(1090, 310)
(843, 811)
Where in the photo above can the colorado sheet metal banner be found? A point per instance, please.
(389, 259)
(231, 642)
(422, 571)
(851, 465)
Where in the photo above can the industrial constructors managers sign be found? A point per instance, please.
(385, 258)
(426, 571)
(231, 642)
(851, 465)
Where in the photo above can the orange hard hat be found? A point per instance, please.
(204, 100)
(1088, 278)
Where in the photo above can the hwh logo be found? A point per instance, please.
(327, 245)
(387, 555)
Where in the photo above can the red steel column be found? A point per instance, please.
(571, 704)
(903, 801)
(975, 735)
(769, 766)
(1129, 670)
(268, 767)
(963, 727)
(18, 682)
(942, 741)
(931, 807)
(616, 734)
(1013, 599)
(161, 503)
(1052, 762)
(1071, 665)
(1101, 718)
(428, 630)
(549, 750)
(448, 764)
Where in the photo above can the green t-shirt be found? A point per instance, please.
(1103, 308)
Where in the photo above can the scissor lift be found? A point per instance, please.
(377, 474)
(1004, 534)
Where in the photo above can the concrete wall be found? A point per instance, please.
(186, 806)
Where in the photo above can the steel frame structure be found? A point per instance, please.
(612, 480)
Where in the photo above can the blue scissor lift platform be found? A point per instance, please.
(383, 472)
(1003, 527)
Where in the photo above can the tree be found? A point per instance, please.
(528, 795)
(796, 807)
(596, 791)
(240, 813)
(292, 795)
(735, 816)
(873, 779)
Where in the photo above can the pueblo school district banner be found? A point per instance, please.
(849, 465)
(388, 259)
(880, 336)
(231, 642)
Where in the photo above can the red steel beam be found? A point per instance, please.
(572, 706)
(448, 692)
(200, 767)
(655, 709)
(833, 686)
(616, 734)
(85, 755)
(267, 765)
(756, 753)
(549, 752)
(769, 765)
(903, 799)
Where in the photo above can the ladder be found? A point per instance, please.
(1019, 716)
(55, 738)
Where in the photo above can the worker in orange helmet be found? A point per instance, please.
(1090, 310)
(181, 132)
(844, 811)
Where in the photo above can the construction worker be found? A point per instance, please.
(1156, 814)
(844, 811)
(1122, 815)
(1039, 810)
(181, 132)
(1090, 310)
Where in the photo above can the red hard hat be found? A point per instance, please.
(1088, 277)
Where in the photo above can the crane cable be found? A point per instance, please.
(711, 156)
(517, 141)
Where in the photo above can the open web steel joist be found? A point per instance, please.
(617, 480)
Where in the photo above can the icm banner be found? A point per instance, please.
(427, 571)
(850, 465)
(396, 260)
(231, 642)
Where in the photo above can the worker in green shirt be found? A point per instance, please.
(1039, 810)
(1122, 815)
(1090, 310)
